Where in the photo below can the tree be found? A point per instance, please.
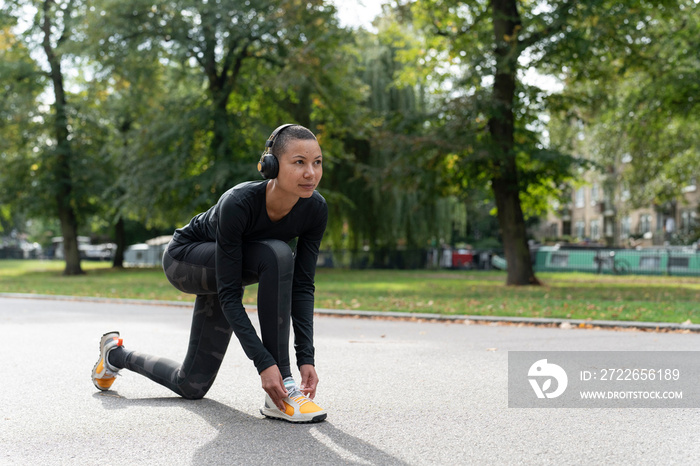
(178, 126)
(492, 113)
(128, 83)
(52, 160)
(220, 64)
(21, 83)
(55, 34)
(387, 203)
(645, 110)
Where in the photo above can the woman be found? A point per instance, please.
(239, 241)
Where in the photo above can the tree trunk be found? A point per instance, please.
(301, 108)
(120, 239)
(63, 154)
(219, 143)
(69, 230)
(504, 180)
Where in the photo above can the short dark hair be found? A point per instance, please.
(288, 134)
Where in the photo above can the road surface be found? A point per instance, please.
(397, 392)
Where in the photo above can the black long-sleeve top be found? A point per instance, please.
(240, 215)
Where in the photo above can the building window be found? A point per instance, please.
(685, 221)
(644, 224)
(625, 227)
(595, 194)
(580, 229)
(688, 220)
(608, 222)
(580, 197)
(595, 229)
(566, 228)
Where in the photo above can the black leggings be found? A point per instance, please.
(190, 268)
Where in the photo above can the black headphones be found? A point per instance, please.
(269, 166)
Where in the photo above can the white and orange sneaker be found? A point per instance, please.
(298, 407)
(103, 374)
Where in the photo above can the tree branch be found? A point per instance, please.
(209, 47)
(229, 80)
(463, 30)
(65, 35)
(228, 59)
(556, 26)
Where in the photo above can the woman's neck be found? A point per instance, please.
(277, 202)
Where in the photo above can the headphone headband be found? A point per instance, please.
(271, 140)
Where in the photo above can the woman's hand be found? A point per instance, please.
(273, 384)
(309, 380)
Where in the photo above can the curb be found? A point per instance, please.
(94, 299)
(539, 321)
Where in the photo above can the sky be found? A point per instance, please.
(356, 13)
(360, 13)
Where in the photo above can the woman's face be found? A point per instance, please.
(301, 167)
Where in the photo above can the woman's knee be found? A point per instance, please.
(194, 395)
(191, 391)
(278, 252)
(189, 278)
(267, 262)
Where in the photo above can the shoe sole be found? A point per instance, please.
(274, 415)
(94, 369)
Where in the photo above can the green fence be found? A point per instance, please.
(656, 261)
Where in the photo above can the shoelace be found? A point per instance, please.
(301, 399)
(296, 395)
(112, 373)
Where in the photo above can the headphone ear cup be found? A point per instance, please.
(268, 166)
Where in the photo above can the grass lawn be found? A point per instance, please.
(566, 295)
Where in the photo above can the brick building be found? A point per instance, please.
(605, 216)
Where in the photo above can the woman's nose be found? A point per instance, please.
(310, 172)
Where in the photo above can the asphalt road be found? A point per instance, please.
(397, 392)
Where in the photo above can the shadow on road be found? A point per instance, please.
(246, 439)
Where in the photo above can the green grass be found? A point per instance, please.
(45, 277)
(573, 295)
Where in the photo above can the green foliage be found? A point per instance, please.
(21, 124)
(459, 48)
(635, 111)
(169, 103)
(218, 76)
(391, 200)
